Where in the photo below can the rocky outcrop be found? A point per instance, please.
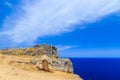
(54, 64)
(44, 49)
(45, 58)
(62, 65)
(48, 50)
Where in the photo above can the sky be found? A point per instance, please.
(79, 28)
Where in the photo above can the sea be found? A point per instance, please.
(97, 68)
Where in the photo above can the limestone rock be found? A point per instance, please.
(47, 60)
(48, 50)
(63, 65)
(55, 64)
(44, 63)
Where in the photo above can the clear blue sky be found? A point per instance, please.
(76, 28)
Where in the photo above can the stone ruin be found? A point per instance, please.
(47, 58)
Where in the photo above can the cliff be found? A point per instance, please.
(41, 62)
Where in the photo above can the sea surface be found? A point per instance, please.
(97, 68)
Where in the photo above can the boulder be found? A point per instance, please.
(44, 63)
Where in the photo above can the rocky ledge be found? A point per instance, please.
(40, 57)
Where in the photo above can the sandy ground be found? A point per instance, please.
(9, 70)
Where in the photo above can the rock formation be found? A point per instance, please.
(45, 57)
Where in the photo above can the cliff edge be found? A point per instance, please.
(41, 62)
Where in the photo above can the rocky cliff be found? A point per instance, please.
(40, 57)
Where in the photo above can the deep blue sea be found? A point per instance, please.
(97, 68)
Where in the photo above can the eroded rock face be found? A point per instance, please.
(55, 64)
(63, 65)
(47, 60)
(48, 50)
(44, 63)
